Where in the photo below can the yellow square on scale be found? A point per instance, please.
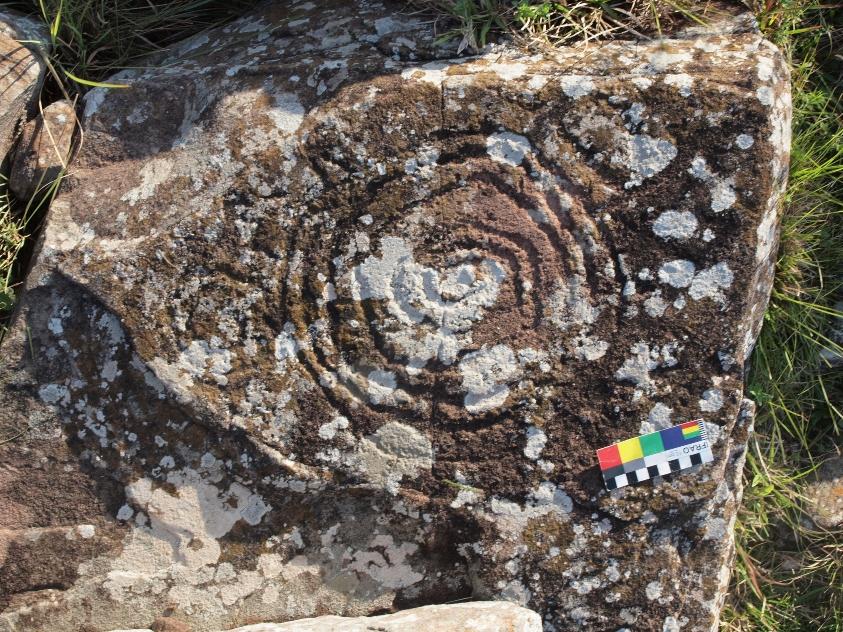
(630, 450)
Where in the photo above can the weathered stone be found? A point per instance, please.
(43, 150)
(477, 616)
(825, 495)
(22, 68)
(327, 322)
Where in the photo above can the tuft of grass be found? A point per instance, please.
(12, 239)
(557, 23)
(472, 20)
(19, 224)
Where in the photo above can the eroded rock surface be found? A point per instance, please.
(22, 45)
(327, 322)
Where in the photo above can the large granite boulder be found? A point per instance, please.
(326, 321)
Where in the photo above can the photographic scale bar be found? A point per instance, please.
(654, 454)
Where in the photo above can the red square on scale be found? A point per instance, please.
(609, 457)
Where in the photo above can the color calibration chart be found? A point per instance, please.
(655, 454)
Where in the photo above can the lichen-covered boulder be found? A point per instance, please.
(327, 321)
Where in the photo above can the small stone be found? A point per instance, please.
(825, 495)
(43, 150)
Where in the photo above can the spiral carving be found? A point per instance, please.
(469, 268)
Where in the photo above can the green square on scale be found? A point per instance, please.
(651, 443)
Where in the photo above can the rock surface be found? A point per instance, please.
(825, 495)
(477, 616)
(22, 68)
(43, 150)
(328, 322)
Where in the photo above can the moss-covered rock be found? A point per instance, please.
(327, 321)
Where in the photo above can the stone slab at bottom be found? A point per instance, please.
(476, 616)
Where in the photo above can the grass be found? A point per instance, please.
(12, 239)
(789, 573)
(560, 23)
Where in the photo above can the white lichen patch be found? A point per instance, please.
(286, 112)
(767, 230)
(153, 174)
(93, 101)
(545, 499)
(653, 590)
(54, 394)
(576, 86)
(329, 430)
(711, 401)
(536, 440)
(86, 531)
(744, 141)
(678, 273)
(381, 386)
(722, 189)
(434, 311)
(287, 348)
(386, 563)
(590, 349)
(174, 544)
(675, 225)
(681, 81)
(765, 68)
(661, 60)
(508, 148)
(645, 156)
(466, 497)
(710, 282)
(707, 283)
(422, 163)
(659, 418)
(655, 305)
(643, 359)
(571, 304)
(529, 356)
(485, 374)
(206, 360)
